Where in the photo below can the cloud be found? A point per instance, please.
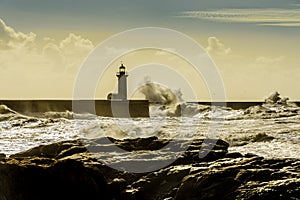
(73, 50)
(21, 50)
(32, 65)
(296, 4)
(75, 45)
(167, 53)
(270, 60)
(10, 38)
(54, 54)
(268, 17)
(68, 53)
(116, 51)
(281, 24)
(215, 47)
(48, 39)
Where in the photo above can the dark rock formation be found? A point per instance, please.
(243, 178)
(68, 170)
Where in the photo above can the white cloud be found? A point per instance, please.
(215, 47)
(53, 53)
(73, 50)
(48, 39)
(272, 16)
(21, 50)
(75, 45)
(10, 38)
(281, 24)
(35, 66)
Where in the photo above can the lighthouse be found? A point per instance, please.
(122, 85)
(117, 104)
(122, 82)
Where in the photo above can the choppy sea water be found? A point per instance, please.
(270, 130)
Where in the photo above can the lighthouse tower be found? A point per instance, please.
(122, 83)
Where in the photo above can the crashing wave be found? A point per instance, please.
(7, 114)
(55, 115)
(274, 106)
(6, 110)
(275, 98)
(167, 102)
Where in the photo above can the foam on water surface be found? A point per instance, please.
(270, 130)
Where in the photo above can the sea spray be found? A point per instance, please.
(275, 98)
(274, 106)
(7, 114)
(167, 102)
(67, 115)
(157, 93)
(270, 129)
(5, 110)
(163, 101)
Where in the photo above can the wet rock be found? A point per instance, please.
(150, 143)
(208, 185)
(2, 156)
(205, 170)
(51, 179)
(162, 184)
(154, 152)
(51, 150)
(243, 178)
(233, 155)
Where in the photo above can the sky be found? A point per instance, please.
(254, 45)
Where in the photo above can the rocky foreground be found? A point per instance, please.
(68, 170)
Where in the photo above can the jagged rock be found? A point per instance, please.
(150, 143)
(50, 179)
(2, 155)
(155, 152)
(233, 155)
(51, 150)
(243, 178)
(157, 185)
(68, 170)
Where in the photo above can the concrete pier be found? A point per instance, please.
(107, 108)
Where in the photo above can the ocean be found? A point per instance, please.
(271, 130)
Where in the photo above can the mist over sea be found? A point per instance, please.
(270, 130)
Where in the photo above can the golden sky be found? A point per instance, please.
(254, 44)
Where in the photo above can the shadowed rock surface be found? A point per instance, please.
(76, 170)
